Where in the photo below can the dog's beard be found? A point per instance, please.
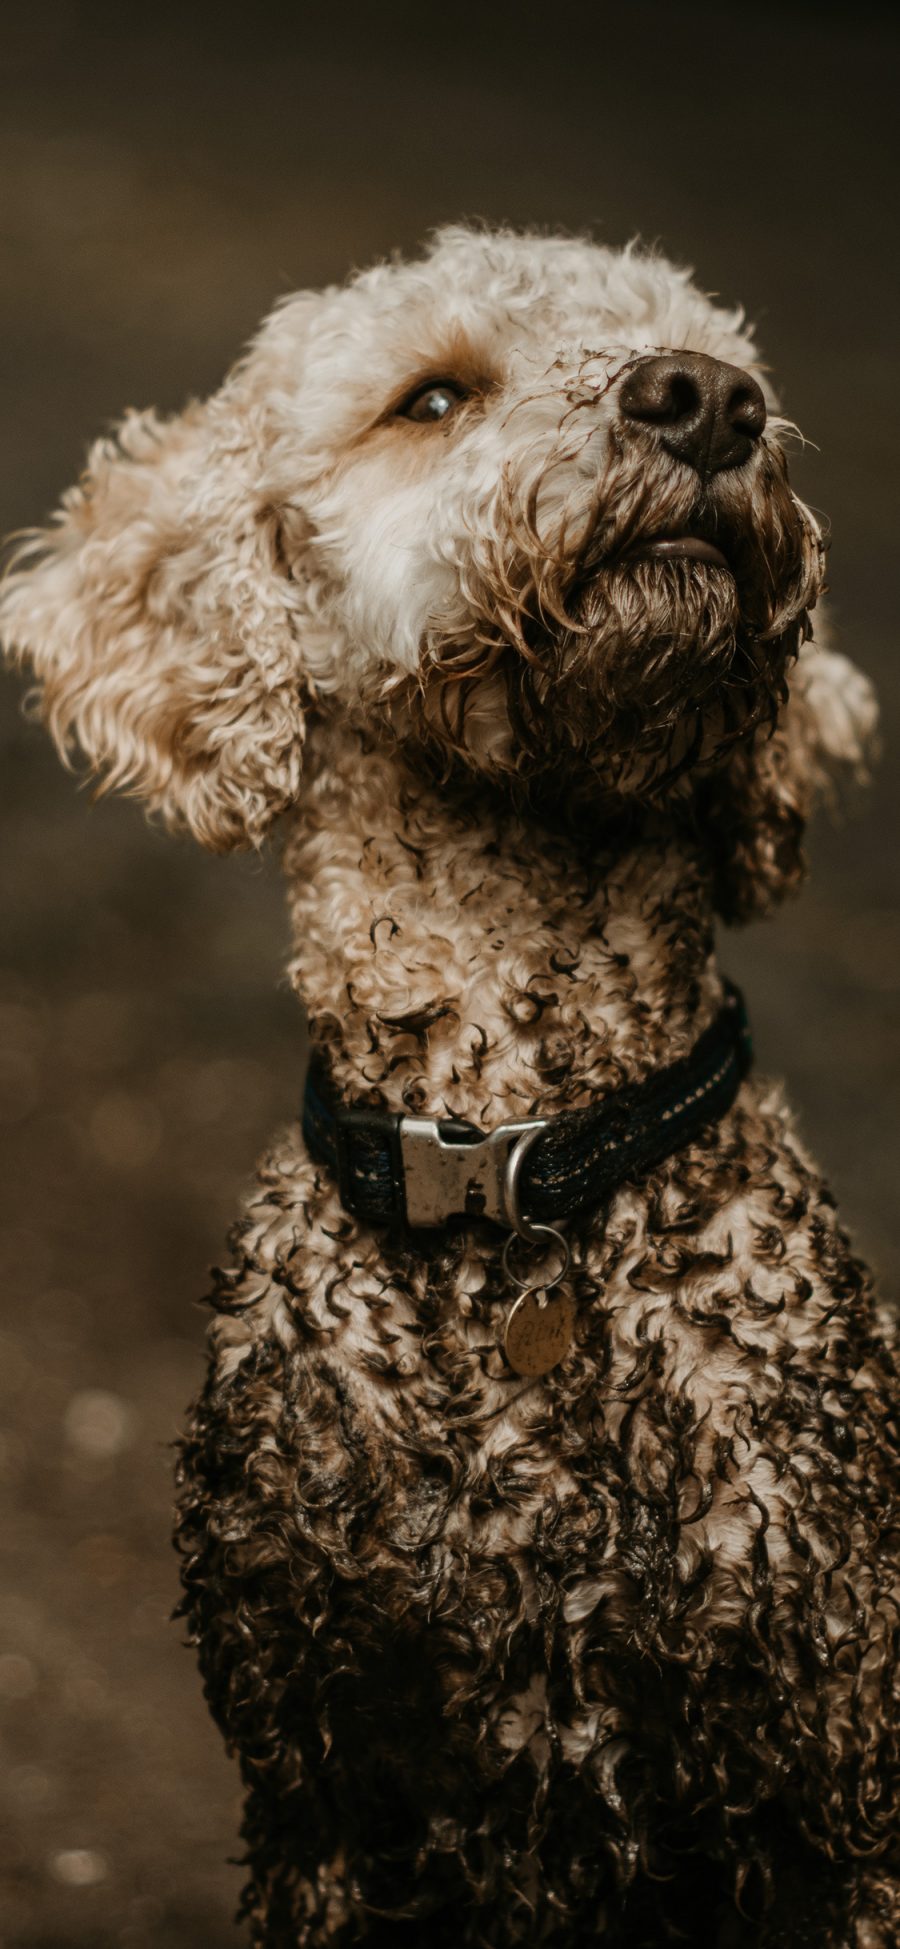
(623, 669)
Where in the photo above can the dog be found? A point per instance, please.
(543, 1568)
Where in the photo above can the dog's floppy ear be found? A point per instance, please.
(754, 810)
(162, 627)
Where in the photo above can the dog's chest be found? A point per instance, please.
(404, 1454)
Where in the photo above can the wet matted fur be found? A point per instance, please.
(611, 1656)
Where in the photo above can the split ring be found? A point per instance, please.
(540, 1235)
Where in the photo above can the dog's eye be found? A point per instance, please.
(432, 402)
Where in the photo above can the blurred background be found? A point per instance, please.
(166, 173)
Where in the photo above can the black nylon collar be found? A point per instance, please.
(579, 1159)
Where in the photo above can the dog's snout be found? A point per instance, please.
(707, 413)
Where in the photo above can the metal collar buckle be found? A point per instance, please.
(447, 1173)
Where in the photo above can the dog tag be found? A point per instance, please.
(539, 1331)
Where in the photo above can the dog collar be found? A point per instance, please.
(532, 1174)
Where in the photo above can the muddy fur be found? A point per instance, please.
(602, 1657)
(611, 1656)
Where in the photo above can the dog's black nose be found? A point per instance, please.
(707, 413)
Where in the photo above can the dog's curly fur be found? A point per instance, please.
(611, 1656)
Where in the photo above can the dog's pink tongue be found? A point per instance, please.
(673, 547)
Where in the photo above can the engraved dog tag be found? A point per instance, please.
(539, 1331)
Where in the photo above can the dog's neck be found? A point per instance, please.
(457, 958)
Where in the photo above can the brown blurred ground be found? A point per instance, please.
(162, 181)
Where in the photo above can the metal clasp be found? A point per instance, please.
(526, 1229)
(446, 1174)
(540, 1324)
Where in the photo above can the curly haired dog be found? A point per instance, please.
(610, 1653)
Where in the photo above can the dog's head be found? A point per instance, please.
(523, 501)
